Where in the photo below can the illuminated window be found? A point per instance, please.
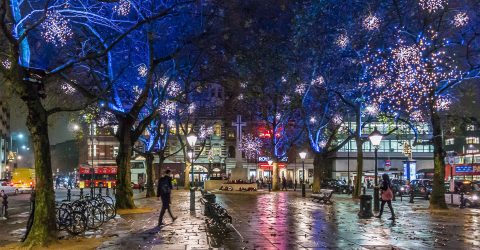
(472, 140)
(449, 141)
(231, 135)
(218, 130)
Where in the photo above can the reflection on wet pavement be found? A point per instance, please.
(283, 220)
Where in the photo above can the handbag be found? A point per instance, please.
(387, 195)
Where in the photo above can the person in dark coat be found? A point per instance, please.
(387, 196)
(164, 190)
(284, 183)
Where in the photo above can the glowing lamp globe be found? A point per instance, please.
(375, 137)
(191, 139)
(303, 155)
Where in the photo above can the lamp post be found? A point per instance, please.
(270, 164)
(375, 138)
(192, 139)
(303, 155)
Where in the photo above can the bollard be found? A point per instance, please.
(364, 190)
(100, 190)
(462, 201)
(4, 206)
(365, 207)
(69, 194)
(411, 197)
(81, 193)
(107, 191)
(91, 191)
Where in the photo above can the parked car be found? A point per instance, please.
(338, 186)
(421, 188)
(7, 188)
(398, 187)
(469, 189)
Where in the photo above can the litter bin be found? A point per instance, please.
(365, 207)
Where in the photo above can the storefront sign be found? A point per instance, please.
(463, 169)
(267, 158)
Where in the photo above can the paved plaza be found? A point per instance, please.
(277, 220)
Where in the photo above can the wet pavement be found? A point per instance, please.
(284, 220)
(278, 220)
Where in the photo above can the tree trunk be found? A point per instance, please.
(44, 228)
(124, 194)
(437, 197)
(275, 177)
(358, 180)
(318, 165)
(187, 172)
(149, 161)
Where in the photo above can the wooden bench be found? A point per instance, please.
(324, 196)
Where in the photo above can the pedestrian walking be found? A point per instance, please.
(164, 191)
(284, 183)
(387, 196)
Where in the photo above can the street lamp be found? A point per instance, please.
(192, 139)
(303, 155)
(375, 138)
(270, 164)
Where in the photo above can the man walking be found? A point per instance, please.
(164, 190)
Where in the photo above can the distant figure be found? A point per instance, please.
(387, 196)
(57, 182)
(164, 190)
(141, 184)
(284, 183)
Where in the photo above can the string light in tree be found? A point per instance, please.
(250, 145)
(432, 5)
(142, 70)
(243, 85)
(240, 97)
(174, 89)
(443, 103)
(55, 29)
(205, 131)
(322, 144)
(313, 119)
(168, 108)
(7, 64)
(171, 123)
(337, 119)
(372, 110)
(68, 89)
(461, 19)
(342, 41)
(286, 100)
(371, 22)
(191, 108)
(162, 82)
(301, 89)
(122, 8)
(319, 81)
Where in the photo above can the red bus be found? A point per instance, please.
(103, 175)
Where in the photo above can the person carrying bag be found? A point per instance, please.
(387, 196)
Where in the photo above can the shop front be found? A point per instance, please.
(463, 171)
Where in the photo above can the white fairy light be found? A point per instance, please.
(174, 89)
(240, 97)
(243, 85)
(162, 82)
(443, 103)
(313, 120)
(372, 110)
(301, 89)
(379, 81)
(278, 116)
(122, 8)
(56, 29)
(319, 81)
(142, 70)
(337, 119)
(205, 131)
(322, 144)
(416, 116)
(286, 100)
(407, 54)
(461, 19)
(250, 145)
(284, 79)
(168, 108)
(371, 22)
(7, 64)
(171, 123)
(68, 89)
(432, 5)
(342, 41)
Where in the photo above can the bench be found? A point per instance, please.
(324, 196)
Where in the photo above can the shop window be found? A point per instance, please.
(218, 130)
(472, 140)
(470, 127)
(449, 141)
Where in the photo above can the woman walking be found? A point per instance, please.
(387, 196)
